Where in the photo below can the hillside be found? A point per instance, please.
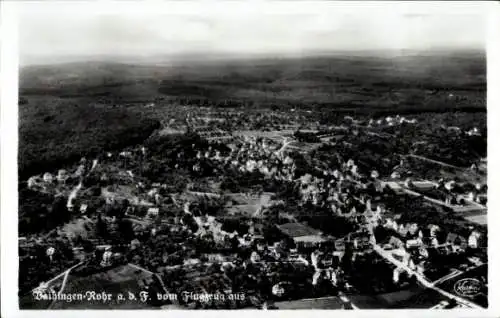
(67, 110)
(339, 81)
(54, 131)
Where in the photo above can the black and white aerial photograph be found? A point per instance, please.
(329, 156)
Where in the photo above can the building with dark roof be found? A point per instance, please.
(302, 234)
(314, 303)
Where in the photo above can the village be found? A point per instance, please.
(280, 209)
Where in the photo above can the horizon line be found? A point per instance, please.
(231, 56)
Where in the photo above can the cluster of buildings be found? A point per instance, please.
(451, 192)
(345, 191)
(251, 154)
(63, 176)
(390, 121)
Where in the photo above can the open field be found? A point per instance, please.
(481, 219)
(246, 205)
(114, 281)
(413, 298)
(303, 146)
(78, 227)
(170, 131)
(447, 171)
(276, 135)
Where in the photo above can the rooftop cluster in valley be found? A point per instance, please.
(275, 207)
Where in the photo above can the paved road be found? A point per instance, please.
(65, 279)
(453, 274)
(388, 256)
(154, 274)
(434, 161)
(470, 174)
(473, 206)
(439, 202)
(285, 144)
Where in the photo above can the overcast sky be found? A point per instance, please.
(65, 29)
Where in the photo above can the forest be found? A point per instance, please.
(54, 132)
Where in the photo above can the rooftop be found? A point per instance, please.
(298, 230)
(314, 303)
(309, 238)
